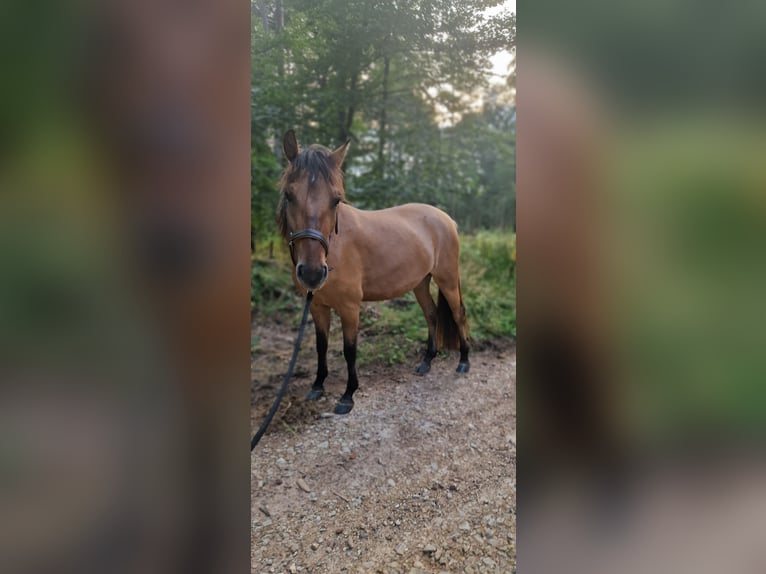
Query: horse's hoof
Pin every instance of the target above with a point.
(343, 407)
(463, 367)
(423, 368)
(315, 394)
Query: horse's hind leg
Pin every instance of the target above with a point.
(450, 289)
(426, 302)
(322, 316)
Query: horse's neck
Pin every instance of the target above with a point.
(349, 213)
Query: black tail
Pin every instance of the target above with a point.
(447, 332)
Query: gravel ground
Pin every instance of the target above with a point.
(419, 477)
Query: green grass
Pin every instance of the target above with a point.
(394, 332)
(271, 288)
(488, 279)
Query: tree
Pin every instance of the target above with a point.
(396, 78)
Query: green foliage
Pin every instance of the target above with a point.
(271, 287)
(489, 284)
(392, 332)
(263, 196)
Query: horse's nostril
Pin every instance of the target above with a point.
(311, 276)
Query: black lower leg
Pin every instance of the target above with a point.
(346, 402)
(464, 364)
(317, 389)
(425, 364)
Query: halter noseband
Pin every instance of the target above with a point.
(307, 234)
(310, 234)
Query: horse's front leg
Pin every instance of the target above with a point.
(349, 317)
(322, 316)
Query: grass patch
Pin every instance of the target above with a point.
(488, 279)
(392, 332)
(271, 288)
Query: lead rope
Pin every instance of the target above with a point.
(288, 375)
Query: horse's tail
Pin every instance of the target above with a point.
(447, 332)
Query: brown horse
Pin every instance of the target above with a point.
(346, 256)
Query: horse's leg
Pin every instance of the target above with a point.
(426, 302)
(349, 317)
(322, 316)
(451, 291)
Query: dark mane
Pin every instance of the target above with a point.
(315, 161)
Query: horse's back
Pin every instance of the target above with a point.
(421, 217)
(395, 248)
(411, 226)
(418, 209)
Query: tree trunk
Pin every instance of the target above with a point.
(346, 116)
(352, 107)
(279, 24)
(279, 17)
(382, 130)
(264, 16)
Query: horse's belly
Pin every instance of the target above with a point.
(394, 283)
(383, 295)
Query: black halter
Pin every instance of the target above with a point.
(310, 234)
(307, 234)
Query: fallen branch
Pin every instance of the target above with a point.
(291, 429)
(339, 495)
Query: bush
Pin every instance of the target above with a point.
(488, 276)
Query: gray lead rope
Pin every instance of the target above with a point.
(288, 375)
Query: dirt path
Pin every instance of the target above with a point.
(419, 477)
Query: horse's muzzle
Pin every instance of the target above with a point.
(311, 277)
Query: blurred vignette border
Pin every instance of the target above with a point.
(124, 302)
(641, 232)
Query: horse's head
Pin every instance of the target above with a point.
(312, 189)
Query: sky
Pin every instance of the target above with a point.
(501, 60)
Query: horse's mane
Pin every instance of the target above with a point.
(316, 161)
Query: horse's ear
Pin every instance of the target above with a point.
(290, 145)
(340, 154)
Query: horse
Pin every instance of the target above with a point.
(346, 255)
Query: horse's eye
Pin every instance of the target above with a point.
(288, 197)
(335, 202)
